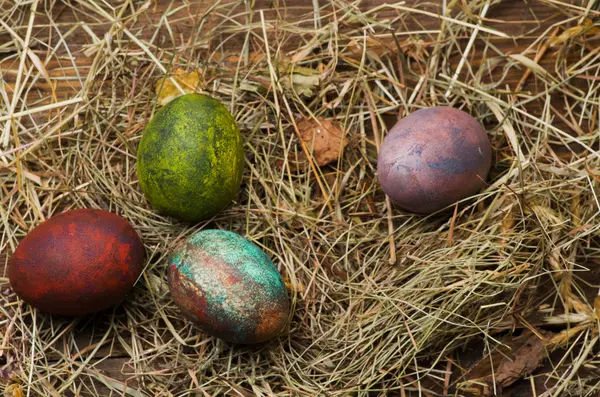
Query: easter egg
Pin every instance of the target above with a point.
(190, 159)
(229, 287)
(433, 158)
(77, 262)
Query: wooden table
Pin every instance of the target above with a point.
(524, 21)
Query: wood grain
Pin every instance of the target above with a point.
(515, 17)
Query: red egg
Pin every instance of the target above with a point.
(433, 158)
(77, 262)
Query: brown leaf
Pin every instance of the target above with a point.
(527, 352)
(324, 139)
(166, 91)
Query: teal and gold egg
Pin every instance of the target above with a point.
(229, 287)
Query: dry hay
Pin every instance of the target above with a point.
(372, 313)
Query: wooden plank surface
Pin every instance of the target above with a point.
(518, 18)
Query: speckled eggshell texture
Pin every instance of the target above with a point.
(229, 287)
(433, 158)
(190, 159)
(77, 262)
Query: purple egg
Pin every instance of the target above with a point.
(433, 158)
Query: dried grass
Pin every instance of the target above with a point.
(374, 312)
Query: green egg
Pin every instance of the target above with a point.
(229, 287)
(191, 158)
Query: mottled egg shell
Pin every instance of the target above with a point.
(229, 287)
(190, 159)
(77, 262)
(433, 158)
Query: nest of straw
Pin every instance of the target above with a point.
(384, 301)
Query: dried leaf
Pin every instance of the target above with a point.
(508, 223)
(302, 71)
(305, 82)
(597, 306)
(531, 64)
(297, 287)
(587, 29)
(301, 79)
(325, 140)
(301, 84)
(251, 87)
(13, 390)
(39, 65)
(166, 91)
